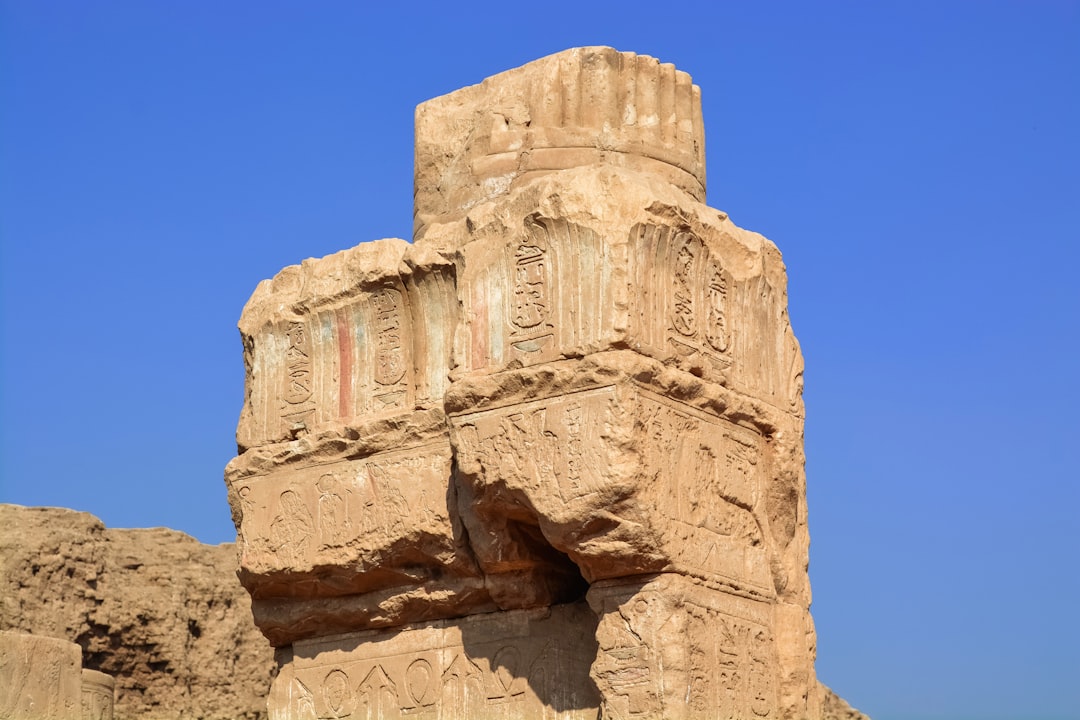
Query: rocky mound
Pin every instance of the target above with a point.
(156, 609)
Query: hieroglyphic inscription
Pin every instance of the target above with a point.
(668, 649)
(298, 406)
(530, 295)
(685, 283)
(389, 356)
(555, 443)
(731, 666)
(97, 695)
(712, 468)
(292, 518)
(684, 310)
(716, 324)
(626, 666)
(517, 664)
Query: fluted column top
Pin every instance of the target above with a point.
(584, 106)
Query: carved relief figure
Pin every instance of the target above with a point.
(504, 674)
(386, 508)
(530, 296)
(462, 686)
(304, 700)
(297, 365)
(625, 667)
(96, 704)
(530, 292)
(291, 528)
(333, 511)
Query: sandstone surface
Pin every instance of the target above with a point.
(545, 461)
(158, 611)
(40, 678)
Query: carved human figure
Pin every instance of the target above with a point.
(291, 528)
(333, 510)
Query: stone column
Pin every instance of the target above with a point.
(98, 695)
(548, 458)
(42, 678)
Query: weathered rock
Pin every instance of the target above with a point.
(578, 381)
(160, 612)
(834, 707)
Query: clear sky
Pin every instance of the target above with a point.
(918, 163)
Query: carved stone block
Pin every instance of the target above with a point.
(513, 664)
(384, 511)
(592, 260)
(98, 695)
(41, 678)
(576, 108)
(670, 648)
(350, 337)
(620, 478)
(327, 544)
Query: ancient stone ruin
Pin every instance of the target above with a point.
(43, 678)
(157, 613)
(547, 460)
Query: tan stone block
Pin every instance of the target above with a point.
(514, 664)
(40, 678)
(598, 458)
(598, 259)
(574, 108)
(98, 695)
(350, 337)
(346, 522)
(670, 648)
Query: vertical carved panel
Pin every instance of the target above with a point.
(548, 292)
(684, 306)
(674, 650)
(712, 467)
(98, 695)
(297, 405)
(338, 342)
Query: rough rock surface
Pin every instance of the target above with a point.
(159, 611)
(834, 707)
(546, 460)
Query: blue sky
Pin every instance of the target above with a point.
(918, 163)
